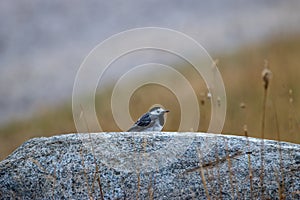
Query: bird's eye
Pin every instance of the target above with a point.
(157, 111)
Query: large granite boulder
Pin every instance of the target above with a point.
(151, 166)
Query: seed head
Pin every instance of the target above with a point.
(242, 105)
(202, 101)
(291, 96)
(219, 101)
(266, 75)
(215, 63)
(245, 128)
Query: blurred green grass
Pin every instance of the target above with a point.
(241, 72)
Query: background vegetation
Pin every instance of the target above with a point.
(241, 71)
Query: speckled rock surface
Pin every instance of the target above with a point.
(150, 166)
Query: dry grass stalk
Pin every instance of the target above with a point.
(218, 172)
(210, 177)
(202, 174)
(138, 184)
(150, 190)
(97, 173)
(266, 77)
(293, 121)
(281, 187)
(229, 168)
(85, 176)
(249, 161)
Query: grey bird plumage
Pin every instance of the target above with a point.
(151, 121)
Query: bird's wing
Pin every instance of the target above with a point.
(142, 122)
(145, 120)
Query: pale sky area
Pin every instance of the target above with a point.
(43, 43)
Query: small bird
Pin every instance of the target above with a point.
(151, 121)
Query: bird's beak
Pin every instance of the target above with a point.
(166, 111)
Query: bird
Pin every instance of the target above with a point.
(153, 120)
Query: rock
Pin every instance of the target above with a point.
(151, 166)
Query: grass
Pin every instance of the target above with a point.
(249, 162)
(266, 76)
(47, 122)
(240, 70)
(201, 171)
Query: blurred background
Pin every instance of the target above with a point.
(43, 43)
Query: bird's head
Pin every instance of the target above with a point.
(157, 111)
